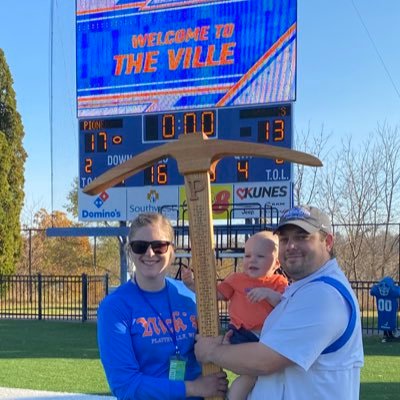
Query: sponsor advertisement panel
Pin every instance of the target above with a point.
(221, 199)
(109, 205)
(238, 201)
(152, 199)
(275, 194)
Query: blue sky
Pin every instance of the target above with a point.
(342, 83)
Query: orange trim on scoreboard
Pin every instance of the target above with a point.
(208, 89)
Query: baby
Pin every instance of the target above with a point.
(252, 295)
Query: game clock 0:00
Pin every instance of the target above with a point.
(107, 142)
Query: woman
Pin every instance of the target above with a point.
(144, 354)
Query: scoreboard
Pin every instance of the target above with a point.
(107, 142)
(150, 71)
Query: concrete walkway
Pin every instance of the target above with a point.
(27, 394)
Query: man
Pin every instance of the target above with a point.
(311, 344)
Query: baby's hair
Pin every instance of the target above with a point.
(269, 235)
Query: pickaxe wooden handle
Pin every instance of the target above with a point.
(195, 157)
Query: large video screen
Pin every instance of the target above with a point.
(154, 56)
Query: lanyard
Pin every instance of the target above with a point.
(172, 331)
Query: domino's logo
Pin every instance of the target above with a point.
(101, 199)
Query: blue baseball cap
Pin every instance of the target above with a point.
(309, 218)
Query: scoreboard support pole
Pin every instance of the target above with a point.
(195, 157)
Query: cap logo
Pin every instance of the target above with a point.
(296, 213)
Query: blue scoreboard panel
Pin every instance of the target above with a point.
(107, 142)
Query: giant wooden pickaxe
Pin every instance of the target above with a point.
(195, 157)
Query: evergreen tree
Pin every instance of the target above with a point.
(12, 166)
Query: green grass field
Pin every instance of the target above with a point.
(47, 355)
(63, 356)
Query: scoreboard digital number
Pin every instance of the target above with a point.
(107, 142)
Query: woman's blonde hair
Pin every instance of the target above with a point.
(146, 219)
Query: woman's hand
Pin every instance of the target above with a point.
(213, 385)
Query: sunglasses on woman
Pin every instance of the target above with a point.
(141, 246)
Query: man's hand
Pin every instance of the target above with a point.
(227, 337)
(205, 347)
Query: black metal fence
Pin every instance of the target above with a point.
(77, 298)
(369, 312)
(51, 297)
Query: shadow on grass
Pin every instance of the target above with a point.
(47, 339)
(379, 391)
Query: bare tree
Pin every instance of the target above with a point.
(306, 178)
(389, 140)
(359, 187)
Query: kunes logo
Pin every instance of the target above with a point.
(259, 192)
(103, 214)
